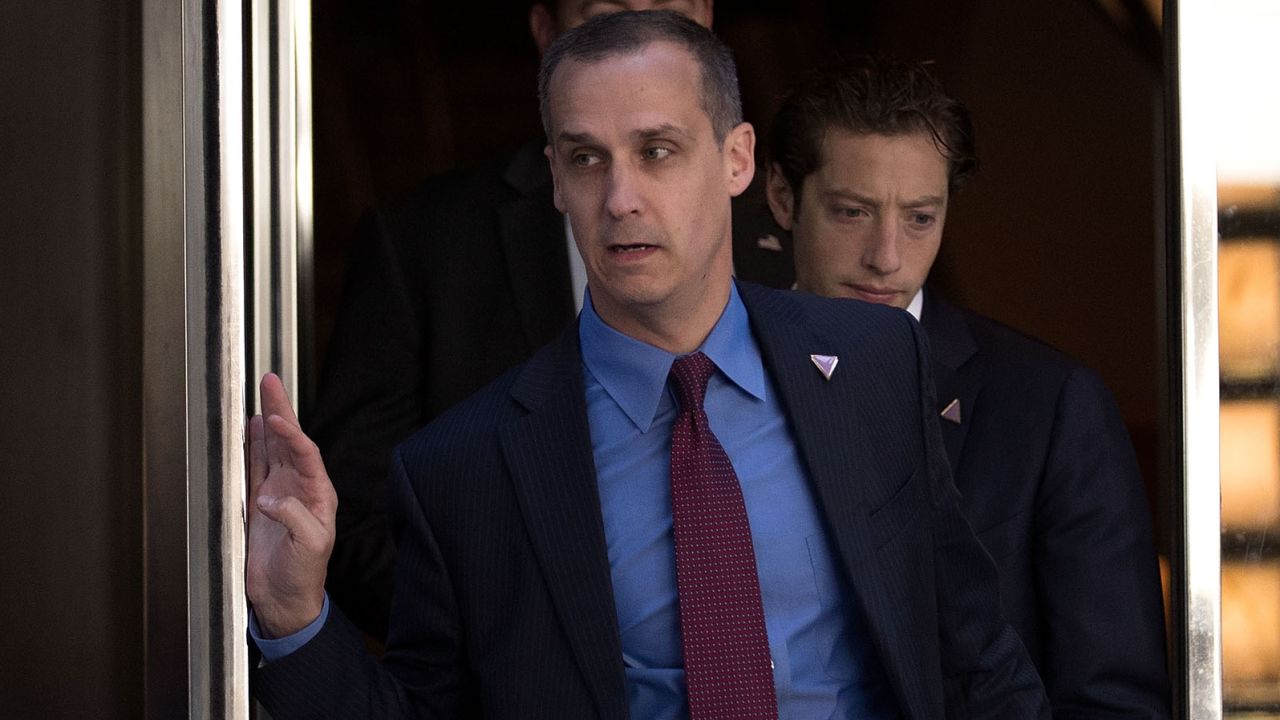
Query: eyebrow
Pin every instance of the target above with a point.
(660, 130)
(867, 200)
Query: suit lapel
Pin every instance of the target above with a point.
(828, 420)
(548, 453)
(951, 347)
(533, 244)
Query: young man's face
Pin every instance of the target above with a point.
(869, 220)
(645, 183)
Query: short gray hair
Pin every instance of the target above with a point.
(624, 33)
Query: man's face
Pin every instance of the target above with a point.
(572, 13)
(869, 219)
(645, 183)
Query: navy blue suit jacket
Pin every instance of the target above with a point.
(1050, 484)
(464, 280)
(503, 605)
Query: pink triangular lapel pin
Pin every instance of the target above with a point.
(952, 411)
(826, 364)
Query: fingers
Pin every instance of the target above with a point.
(304, 528)
(257, 455)
(295, 448)
(275, 401)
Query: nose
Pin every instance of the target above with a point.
(882, 254)
(624, 194)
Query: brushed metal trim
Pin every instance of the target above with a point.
(1199, 593)
(196, 662)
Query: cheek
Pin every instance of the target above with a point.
(840, 245)
(824, 254)
(923, 256)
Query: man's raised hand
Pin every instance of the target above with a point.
(291, 509)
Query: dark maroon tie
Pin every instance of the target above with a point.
(726, 647)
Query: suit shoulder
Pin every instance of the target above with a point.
(853, 318)
(456, 194)
(480, 189)
(470, 429)
(1009, 347)
(464, 430)
(1031, 367)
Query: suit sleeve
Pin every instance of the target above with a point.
(986, 670)
(1095, 566)
(369, 400)
(420, 677)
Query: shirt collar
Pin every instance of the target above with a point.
(634, 373)
(916, 304)
(915, 307)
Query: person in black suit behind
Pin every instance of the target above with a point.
(465, 279)
(865, 156)
(541, 568)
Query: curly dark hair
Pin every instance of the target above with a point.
(869, 95)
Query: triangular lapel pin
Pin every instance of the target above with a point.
(826, 364)
(952, 411)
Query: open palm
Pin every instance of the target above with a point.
(291, 509)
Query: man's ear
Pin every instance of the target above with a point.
(740, 157)
(550, 153)
(782, 202)
(542, 26)
(704, 16)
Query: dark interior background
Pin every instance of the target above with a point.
(71, 592)
(1058, 235)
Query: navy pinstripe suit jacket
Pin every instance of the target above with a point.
(503, 606)
(1051, 486)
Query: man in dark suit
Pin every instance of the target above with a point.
(706, 498)
(865, 157)
(464, 280)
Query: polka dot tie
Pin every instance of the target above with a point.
(726, 647)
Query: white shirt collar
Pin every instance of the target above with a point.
(916, 304)
(914, 307)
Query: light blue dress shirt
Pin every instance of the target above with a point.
(824, 666)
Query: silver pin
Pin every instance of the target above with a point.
(826, 364)
(952, 411)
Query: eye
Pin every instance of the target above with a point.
(585, 159)
(849, 213)
(922, 219)
(656, 152)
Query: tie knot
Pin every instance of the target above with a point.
(691, 374)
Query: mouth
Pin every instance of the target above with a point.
(630, 248)
(873, 293)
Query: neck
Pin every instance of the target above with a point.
(677, 327)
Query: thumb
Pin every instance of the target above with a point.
(295, 517)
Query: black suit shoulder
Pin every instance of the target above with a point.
(455, 440)
(1050, 483)
(1029, 379)
(856, 325)
(1015, 351)
(452, 201)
